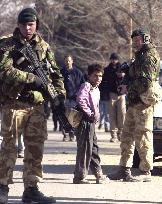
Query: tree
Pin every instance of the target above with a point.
(89, 30)
(8, 14)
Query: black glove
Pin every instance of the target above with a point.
(26, 97)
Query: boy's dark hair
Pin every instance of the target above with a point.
(95, 67)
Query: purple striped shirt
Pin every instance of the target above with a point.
(88, 98)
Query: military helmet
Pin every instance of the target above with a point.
(142, 32)
(28, 15)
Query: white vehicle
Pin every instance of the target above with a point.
(157, 124)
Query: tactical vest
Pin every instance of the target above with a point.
(143, 74)
(11, 47)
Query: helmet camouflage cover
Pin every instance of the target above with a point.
(142, 32)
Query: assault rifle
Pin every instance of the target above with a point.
(36, 67)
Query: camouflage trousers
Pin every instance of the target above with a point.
(137, 131)
(31, 122)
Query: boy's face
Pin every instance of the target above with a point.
(95, 78)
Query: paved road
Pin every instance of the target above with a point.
(58, 164)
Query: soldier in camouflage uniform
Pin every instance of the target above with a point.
(138, 126)
(23, 106)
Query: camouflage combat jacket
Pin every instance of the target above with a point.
(13, 76)
(143, 72)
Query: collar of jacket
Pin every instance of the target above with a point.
(67, 71)
(114, 67)
(145, 48)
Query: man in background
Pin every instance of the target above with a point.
(112, 78)
(73, 78)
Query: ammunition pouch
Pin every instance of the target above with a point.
(153, 94)
(9, 91)
(32, 97)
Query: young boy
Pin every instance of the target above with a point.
(87, 148)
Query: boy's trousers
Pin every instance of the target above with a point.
(87, 150)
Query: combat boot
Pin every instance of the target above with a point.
(80, 181)
(123, 173)
(4, 194)
(32, 194)
(144, 176)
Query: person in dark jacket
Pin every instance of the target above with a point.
(73, 78)
(112, 78)
(103, 108)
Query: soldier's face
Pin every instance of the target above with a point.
(137, 42)
(95, 78)
(28, 29)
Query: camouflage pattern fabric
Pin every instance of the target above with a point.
(12, 72)
(153, 95)
(137, 132)
(143, 72)
(26, 120)
(138, 125)
(23, 116)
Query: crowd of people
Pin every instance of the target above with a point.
(112, 104)
(110, 96)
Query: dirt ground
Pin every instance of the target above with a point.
(58, 165)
